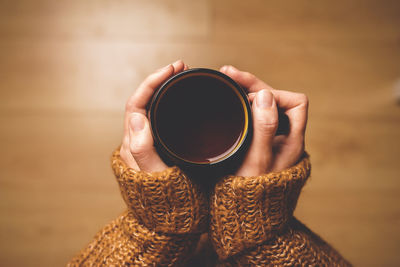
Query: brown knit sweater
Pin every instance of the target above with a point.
(250, 222)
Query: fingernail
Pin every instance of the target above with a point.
(264, 99)
(136, 122)
(223, 68)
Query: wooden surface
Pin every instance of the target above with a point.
(67, 68)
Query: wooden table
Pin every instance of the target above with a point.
(67, 68)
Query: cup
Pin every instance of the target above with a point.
(201, 119)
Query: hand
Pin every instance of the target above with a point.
(268, 152)
(137, 148)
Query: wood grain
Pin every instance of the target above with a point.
(67, 68)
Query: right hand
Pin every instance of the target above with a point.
(268, 152)
(137, 149)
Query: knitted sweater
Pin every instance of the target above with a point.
(249, 221)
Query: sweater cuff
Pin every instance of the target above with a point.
(297, 246)
(166, 202)
(247, 211)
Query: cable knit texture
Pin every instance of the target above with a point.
(166, 202)
(297, 246)
(252, 222)
(165, 217)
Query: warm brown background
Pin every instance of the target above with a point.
(67, 67)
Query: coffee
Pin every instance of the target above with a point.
(200, 118)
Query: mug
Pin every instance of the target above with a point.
(201, 119)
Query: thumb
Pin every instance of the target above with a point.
(141, 144)
(265, 123)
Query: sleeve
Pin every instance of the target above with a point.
(165, 217)
(252, 222)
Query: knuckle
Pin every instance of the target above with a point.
(140, 150)
(249, 76)
(303, 99)
(137, 149)
(179, 62)
(267, 124)
(135, 145)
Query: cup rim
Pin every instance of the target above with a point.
(225, 78)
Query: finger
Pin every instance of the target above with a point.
(290, 148)
(139, 100)
(142, 96)
(141, 144)
(259, 157)
(179, 66)
(245, 79)
(186, 67)
(295, 106)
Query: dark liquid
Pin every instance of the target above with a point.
(200, 119)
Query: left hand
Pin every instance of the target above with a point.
(269, 152)
(137, 149)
